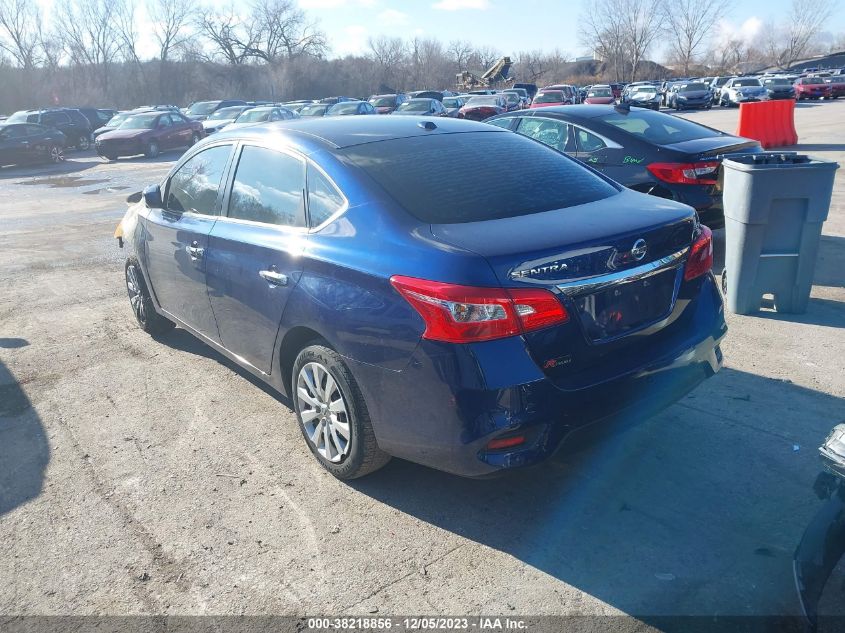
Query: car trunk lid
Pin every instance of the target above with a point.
(635, 243)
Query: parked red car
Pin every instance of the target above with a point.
(149, 133)
(482, 107)
(811, 88)
(549, 98)
(837, 86)
(601, 95)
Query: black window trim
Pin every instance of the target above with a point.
(220, 188)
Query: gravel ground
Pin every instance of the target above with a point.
(142, 476)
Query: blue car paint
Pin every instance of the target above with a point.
(431, 402)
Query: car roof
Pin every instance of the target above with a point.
(578, 111)
(342, 132)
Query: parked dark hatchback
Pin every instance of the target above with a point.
(648, 151)
(385, 104)
(367, 267)
(149, 134)
(686, 95)
(71, 123)
(778, 87)
(22, 143)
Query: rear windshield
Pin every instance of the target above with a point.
(415, 105)
(746, 82)
(139, 122)
(345, 107)
(692, 87)
(777, 81)
(252, 116)
(600, 92)
(202, 107)
(656, 127)
(227, 113)
(483, 100)
(384, 102)
(549, 97)
(456, 178)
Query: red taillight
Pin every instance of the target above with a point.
(463, 314)
(701, 173)
(505, 442)
(700, 258)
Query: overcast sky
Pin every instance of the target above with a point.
(508, 25)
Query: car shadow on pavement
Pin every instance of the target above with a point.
(36, 171)
(24, 450)
(694, 511)
(184, 341)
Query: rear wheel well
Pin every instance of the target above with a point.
(294, 342)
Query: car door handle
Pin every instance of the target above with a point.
(195, 251)
(273, 277)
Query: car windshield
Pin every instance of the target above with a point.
(511, 97)
(18, 117)
(644, 90)
(139, 122)
(812, 81)
(456, 178)
(482, 100)
(252, 116)
(316, 109)
(226, 113)
(452, 103)
(600, 92)
(745, 83)
(776, 81)
(555, 96)
(384, 102)
(346, 107)
(415, 105)
(692, 87)
(202, 107)
(117, 119)
(656, 127)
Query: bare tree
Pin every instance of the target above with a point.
(170, 22)
(124, 20)
(388, 53)
(91, 38)
(19, 25)
(225, 31)
(604, 32)
(283, 31)
(460, 53)
(641, 26)
(805, 20)
(689, 23)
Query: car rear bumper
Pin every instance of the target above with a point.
(451, 400)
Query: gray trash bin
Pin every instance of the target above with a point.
(775, 204)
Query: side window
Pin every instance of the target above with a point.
(268, 187)
(504, 122)
(323, 199)
(194, 186)
(175, 119)
(13, 131)
(34, 130)
(164, 121)
(555, 134)
(587, 141)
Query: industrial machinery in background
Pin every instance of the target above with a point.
(495, 77)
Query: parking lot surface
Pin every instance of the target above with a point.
(153, 476)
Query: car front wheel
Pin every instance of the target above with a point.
(83, 144)
(332, 414)
(56, 154)
(142, 305)
(152, 150)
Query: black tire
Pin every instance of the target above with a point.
(361, 454)
(152, 150)
(109, 157)
(83, 143)
(142, 305)
(195, 138)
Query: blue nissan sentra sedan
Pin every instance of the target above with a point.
(442, 291)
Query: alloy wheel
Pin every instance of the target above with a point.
(136, 296)
(84, 143)
(323, 412)
(57, 155)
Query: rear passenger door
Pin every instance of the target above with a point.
(255, 251)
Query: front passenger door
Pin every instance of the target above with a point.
(176, 238)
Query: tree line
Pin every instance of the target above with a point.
(89, 52)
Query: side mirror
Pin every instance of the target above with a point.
(132, 198)
(152, 197)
